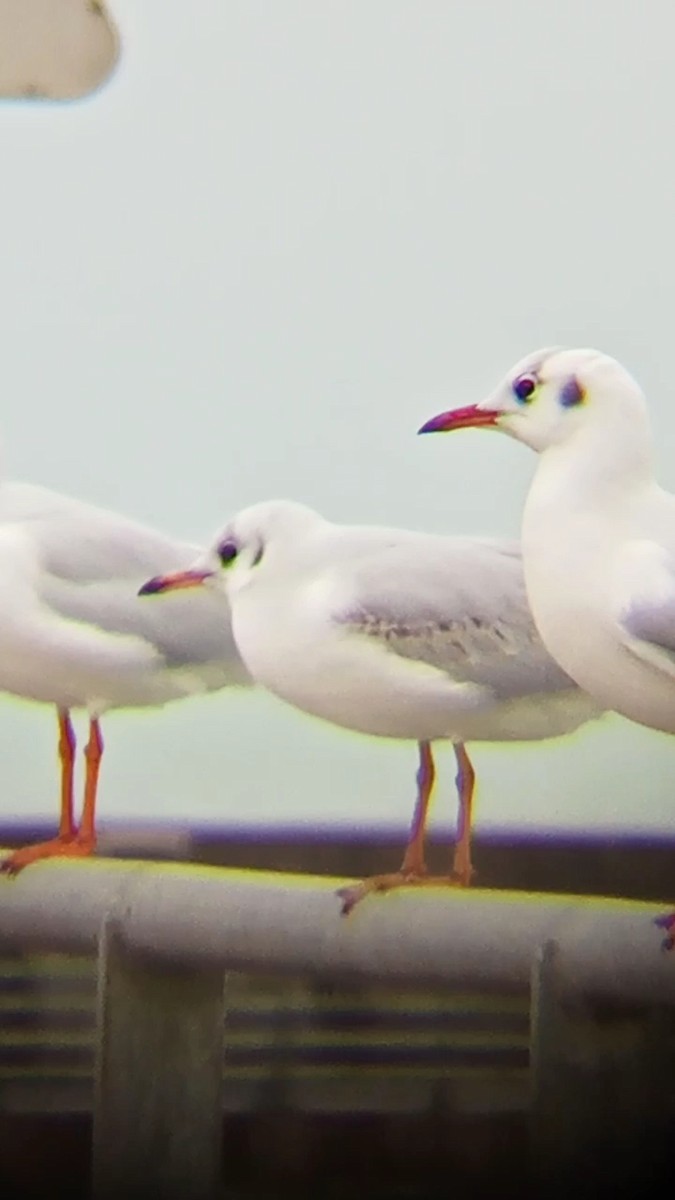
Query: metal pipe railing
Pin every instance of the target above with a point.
(166, 934)
(208, 918)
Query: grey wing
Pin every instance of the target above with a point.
(84, 543)
(92, 564)
(187, 628)
(460, 607)
(645, 594)
(652, 623)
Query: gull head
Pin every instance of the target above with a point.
(550, 396)
(251, 544)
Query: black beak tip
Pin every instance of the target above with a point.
(430, 426)
(151, 588)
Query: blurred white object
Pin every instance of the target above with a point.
(55, 49)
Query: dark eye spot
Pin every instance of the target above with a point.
(258, 555)
(524, 388)
(227, 552)
(571, 393)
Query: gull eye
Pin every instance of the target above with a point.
(227, 552)
(524, 388)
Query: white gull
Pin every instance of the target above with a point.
(598, 532)
(391, 633)
(74, 633)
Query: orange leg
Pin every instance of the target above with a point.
(413, 859)
(67, 756)
(413, 870)
(69, 842)
(465, 779)
(93, 753)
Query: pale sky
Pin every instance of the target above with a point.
(278, 239)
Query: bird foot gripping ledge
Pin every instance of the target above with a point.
(353, 894)
(667, 922)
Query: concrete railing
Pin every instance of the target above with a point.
(166, 935)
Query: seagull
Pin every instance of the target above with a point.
(74, 634)
(390, 633)
(598, 532)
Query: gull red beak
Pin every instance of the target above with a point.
(172, 583)
(461, 418)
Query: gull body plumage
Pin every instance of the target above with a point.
(392, 633)
(598, 532)
(73, 632)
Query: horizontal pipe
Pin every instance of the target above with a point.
(206, 917)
